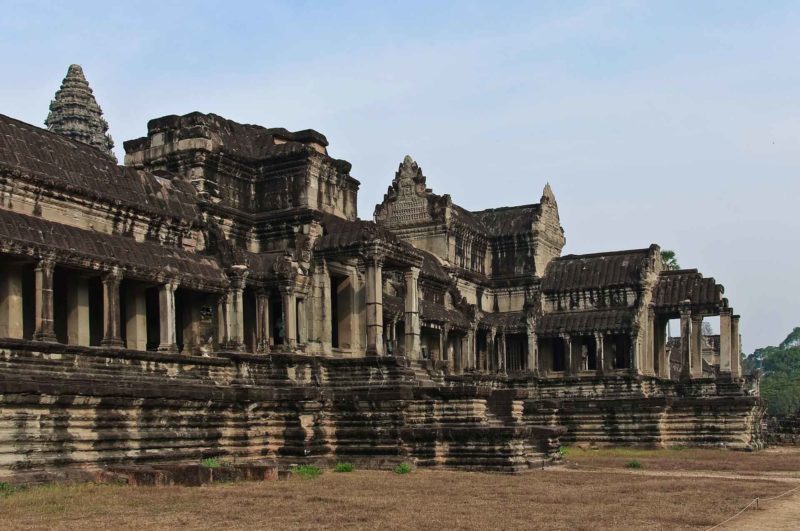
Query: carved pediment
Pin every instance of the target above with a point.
(408, 201)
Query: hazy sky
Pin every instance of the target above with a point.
(669, 122)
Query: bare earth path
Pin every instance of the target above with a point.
(778, 514)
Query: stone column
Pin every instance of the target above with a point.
(649, 347)
(491, 350)
(325, 317)
(235, 310)
(289, 303)
(533, 351)
(686, 341)
(444, 340)
(11, 317)
(166, 309)
(601, 354)
(111, 322)
(569, 361)
(472, 336)
(633, 354)
(374, 306)
(223, 320)
(78, 311)
(302, 321)
(736, 348)
(136, 318)
(697, 346)
(412, 314)
(661, 349)
(725, 342)
(44, 300)
(262, 321)
(502, 362)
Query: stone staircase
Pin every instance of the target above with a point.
(425, 374)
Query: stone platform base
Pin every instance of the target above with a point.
(75, 408)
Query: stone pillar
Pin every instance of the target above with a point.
(472, 336)
(111, 311)
(302, 320)
(44, 300)
(223, 320)
(234, 302)
(533, 351)
(736, 348)
(686, 341)
(11, 320)
(660, 334)
(374, 306)
(725, 342)
(136, 317)
(412, 314)
(569, 362)
(600, 353)
(491, 350)
(262, 322)
(444, 340)
(633, 355)
(166, 309)
(502, 362)
(289, 303)
(649, 347)
(78, 311)
(325, 316)
(697, 346)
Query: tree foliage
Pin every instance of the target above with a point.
(670, 260)
(780, 385)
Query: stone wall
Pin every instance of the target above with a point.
(783, 430)
(78, 407)
(640, 410)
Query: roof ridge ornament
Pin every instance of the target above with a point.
(74, 113)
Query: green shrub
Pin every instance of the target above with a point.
(562, 451)
(308, 471)
(211, 462)
(402, 468)
(344, 467)
(5, 489)
(677, 447)
(634, 464)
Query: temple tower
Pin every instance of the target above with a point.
(75, 113)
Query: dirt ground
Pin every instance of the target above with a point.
(596, 489)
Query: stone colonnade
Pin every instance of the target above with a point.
(730, 350)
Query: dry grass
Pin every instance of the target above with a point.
(372, 499)
(778, 461)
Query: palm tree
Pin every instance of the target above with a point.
(670, 260)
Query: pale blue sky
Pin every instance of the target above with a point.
(669, 122)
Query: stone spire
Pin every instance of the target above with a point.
(547, 194)
(75, 113)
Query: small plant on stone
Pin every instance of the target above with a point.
(634, 464)
(308, 471)
(344, 467)
(402, 468)
(211, 462)
(562, 451)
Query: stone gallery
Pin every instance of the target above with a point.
(218, 295)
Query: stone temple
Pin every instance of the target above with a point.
(218, 295)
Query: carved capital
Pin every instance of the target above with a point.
(113, 276)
